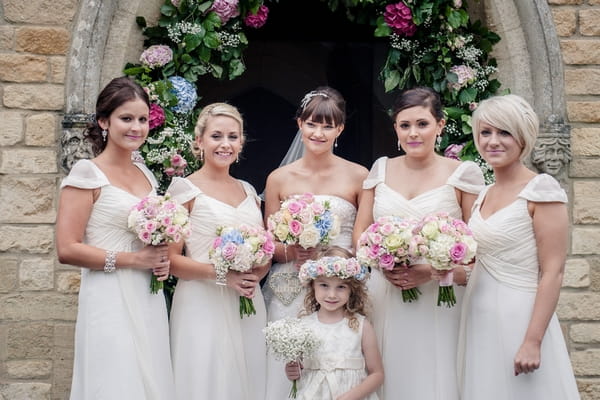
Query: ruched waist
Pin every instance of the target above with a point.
(519, 277)
(335, 363)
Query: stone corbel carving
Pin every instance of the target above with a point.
(552, 151)
(74, 143)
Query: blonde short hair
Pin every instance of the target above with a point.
(216, 110)
(510, 113)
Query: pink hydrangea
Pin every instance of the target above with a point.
(453, 150)
(157, 116)
(225, 9)
(465, 75)
(156, 55)
(175, 2)
(259, 19)
(457, 3)
(399, 18)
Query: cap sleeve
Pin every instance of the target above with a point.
(251, 191)
(544, 188)
(85, 175)
(467, 177)
(182, 190)
(377, 173)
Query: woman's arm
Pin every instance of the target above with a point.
(364, 215)
(550, 226)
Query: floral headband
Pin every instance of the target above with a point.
(306, 99)
(343, 268)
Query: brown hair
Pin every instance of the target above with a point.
(420, 96)
(323, 105)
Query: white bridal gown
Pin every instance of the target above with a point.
(498, 305)
(417, 340)
(122, 332)
(216, 354)
(284, 295)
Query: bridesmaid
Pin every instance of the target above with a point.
(122, 332)
(321, 118)
(511, 343)
(417, 340)
(216, 355)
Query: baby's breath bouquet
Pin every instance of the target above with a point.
(290, 339)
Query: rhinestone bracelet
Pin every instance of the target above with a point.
(468, 271)
(110, 261)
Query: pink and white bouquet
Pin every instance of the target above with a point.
(240, 249)
(159, 220)
(446, 243)
(386, 245)
(304, 220)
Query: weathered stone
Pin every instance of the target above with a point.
(586, 362)
(7, 34)
(64, 334)
(594, 262)
(585, 142)
(40, 11)
(40, 130)
(584, 111)
(30, 341)
(39, 206)
(565, 2)
(589, 22)
(25, 391)
(68, 281)
(29, 369)
(585, 240)
(586, 204)
(20, 239)
(593, 2)
(584, 168)
(34, 97)
(589, 389)
(9, 274)
(582, 81)
(35, 306)
(12, 127)
(585, 333)
(58, 69)
(580, 51)
(28, 161)
(23, 68)
(565, 21)
(42, 40)
(578, 306)
(36, 274)
(577, 273)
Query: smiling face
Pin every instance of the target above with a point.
(332, 293)
(127, 125)
(319, 137)
(498, 147)
(221, 141)
(417, 129)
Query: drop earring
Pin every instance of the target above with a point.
(399, 147)
(202, 156)
(335, 142)
(104, 135)
(438, 142)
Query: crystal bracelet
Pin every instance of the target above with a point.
(110, 261)
(468, 271)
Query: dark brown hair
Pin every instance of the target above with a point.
(420, 96)
(323, 105)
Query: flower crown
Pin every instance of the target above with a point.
(306, 99)
(343, 268)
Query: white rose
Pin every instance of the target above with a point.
(309, 237)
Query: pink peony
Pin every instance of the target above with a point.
(399, 18)
(157, 116)
(453, 150)
(225, 9)
(257, 20)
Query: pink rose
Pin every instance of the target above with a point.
(217, 242)
(318, 208)
(268, 246)
(228, 251)
(157, 116)
(386, 261)
(399, 17)
(145, 236)
(294, 207)
(374, 250)
(374, 227)
(453, 150)
(225, 9)
(295, 227)
(178, 161)
(259, 19)
(307, 198)
(170, 171)
(458, 252)
(150, 226)
(171, 230)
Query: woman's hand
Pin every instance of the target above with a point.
(301, 255)
(528, 358)
(409, 277)
(243, 282)
(155, 258)
(293, 370)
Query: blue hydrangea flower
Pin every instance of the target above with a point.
(324, 223)
(233, 236)
(185, 93)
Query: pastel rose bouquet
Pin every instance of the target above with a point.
(304, 220)
(290, 339)
(446, 243)
(240, 248)
(159, 220)
(386, 245)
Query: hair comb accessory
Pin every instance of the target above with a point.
(306, 99)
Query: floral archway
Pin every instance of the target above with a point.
(431, 42)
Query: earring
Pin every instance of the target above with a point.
(438, 141)
(104, 135)
(202, 156)
(399, 147)
(237, 158)
(335, 142)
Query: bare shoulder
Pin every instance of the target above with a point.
(353, 170)
(282, 173)
(450, 163)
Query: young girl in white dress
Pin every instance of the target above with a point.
(122, 332)
(418, 339)
(347, 364)
(511, 343)
(321, 119)
(216, 354)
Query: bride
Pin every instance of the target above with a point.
(319, 171)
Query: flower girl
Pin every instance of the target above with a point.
(347, 364)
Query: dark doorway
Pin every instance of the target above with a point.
(298, 49)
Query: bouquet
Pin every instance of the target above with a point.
(239, 249)
(386, 244)
(304, 220)
(446, 243)
(159, 220)
(290, 339)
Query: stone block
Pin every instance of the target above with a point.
(12, 128)
(48, 12)
(586, 362)
(27, 199)
(580, 52)
(34, 97)
(26, 239)
(28, 161)
(586, 203)
(578, 306)
(565, 21)
(40, 130)
(589, 388)
(61, 378)
(589, 22)
(30, 341)
(7, 35)
(585, 240)
(585, 333)
(585, 141)
(584, 111)
(36, 306)
(68, 281)
(9, 273)
(42, 40)
(23, 68)
(36, 274)
(564, 2)
(584, 168)
(25, 391)
(577, 273)
(58, 69)
(29, 369)
(582, 81)
(64, 335)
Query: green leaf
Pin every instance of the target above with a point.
(416, 70)
(467, 95)
(392, 80)
(168, 9)
(134, 70)
(204, 6)
(382, 29)
(204, 54)
(217, 70)
(454, 112)
(193, 41)
(211, 40)
(236, 68)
